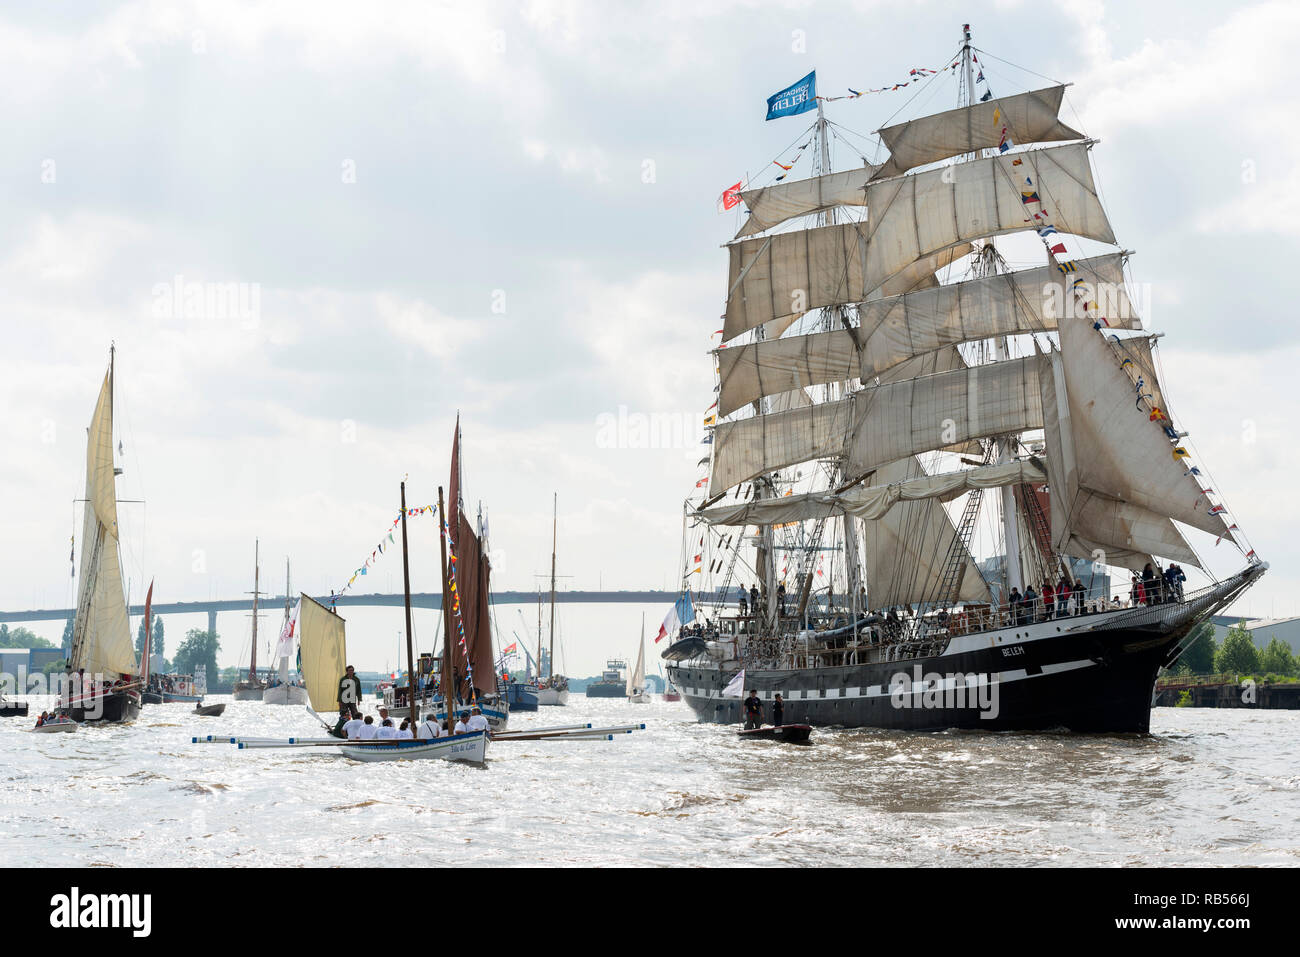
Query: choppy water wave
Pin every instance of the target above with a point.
(1206, 787)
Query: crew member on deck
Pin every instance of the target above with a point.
(350, 693)
(477, 722)
(430, 728)
(778, 711)
(753, 711)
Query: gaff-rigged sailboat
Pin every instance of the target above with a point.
(467, 619)
(103, 683)
(553, 690)
(892, 394)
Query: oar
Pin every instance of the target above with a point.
(561, 727)
(576, 733)
(318, 718)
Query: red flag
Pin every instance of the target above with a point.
(1059, 248)
(729, 199)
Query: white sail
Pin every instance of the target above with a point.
(906, 550)
(911, 416)
(917, 215)
(636, 677)
(101, 632)
(894, 329)
(1028, 118)
(775, 204)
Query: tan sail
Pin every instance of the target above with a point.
(920, 214)
(101, 642)
(911, 416)
(1028, 118)
(894, 329)
(322, 644)
(775, 204)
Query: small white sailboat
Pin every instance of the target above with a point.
(553, 690)
(280, 690)
(636, 693)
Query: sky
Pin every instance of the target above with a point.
(508, 211)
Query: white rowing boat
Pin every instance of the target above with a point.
(56, 726)
(459, 747)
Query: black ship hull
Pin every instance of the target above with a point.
(1093, 673)
(117, 707)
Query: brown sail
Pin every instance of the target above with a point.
(471, 569)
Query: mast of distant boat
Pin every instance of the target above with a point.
(447, 684)
(406, 589)
(555, 505)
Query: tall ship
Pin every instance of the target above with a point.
(104, 683)
(923, 359)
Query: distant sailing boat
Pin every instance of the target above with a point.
(253, 687)
(279, 690)
(103, 672)
(553, 689)
(1039, 385)
(636, 693)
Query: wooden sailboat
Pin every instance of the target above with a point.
(252, 688)
(553, 689)
(459, 747)
(103, 682)
(636, 693)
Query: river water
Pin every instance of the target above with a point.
(1212, 787)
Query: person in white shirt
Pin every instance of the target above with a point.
(462, 726)
(386, 730)
(477, 722)
(430, 728)
(405, 730)
(352, 728)
(368, 731)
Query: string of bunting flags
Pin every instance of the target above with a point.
(455, 611)
(379, 549)
(1038, 215)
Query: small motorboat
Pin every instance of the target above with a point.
(210, 710)
(56, 725)
(789, 733)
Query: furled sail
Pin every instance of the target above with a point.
(917, 215)
(773, 205)
(894, 329)
(911, 416)
(323, 647)
(906, 550)
(1028, 118)
(101, 642)
(471, 572)
(874, 501)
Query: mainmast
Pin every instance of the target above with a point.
(406, 592)
(252, 661)
(555, 505)
(1005, 445)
